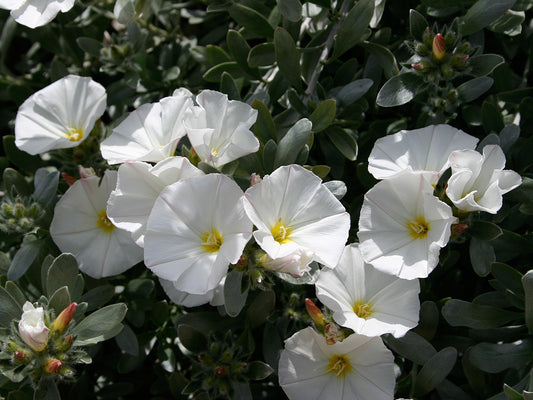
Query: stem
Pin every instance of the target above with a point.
(326, 50)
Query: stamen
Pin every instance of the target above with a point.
(74, 134)
(104, 223)
(362, 310)
(339, 365)
(281, 232)
(211, 241)
(418, 228)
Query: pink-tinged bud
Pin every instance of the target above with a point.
(221, 370)
(439, 47)
(330, 333)
(65, 343)
(85, 172)
(457, 229)
(52, 366)
(31, 327)
(417, 66)
(255, 178)
(63, 319)
(316, 315)
(21, 356)
(68, 178)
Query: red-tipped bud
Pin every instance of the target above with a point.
(221, 370)
(52, 366)
(439, 47)
(457, 229)
(63, 319)
(21, 356)
(68, 178)
(417, 66)
(316, 315)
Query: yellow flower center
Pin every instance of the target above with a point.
(362, 310)
(211, 241)
(104, 223)
(214, 152)
(281, 232)
(339, 365)
(418, 228)
(74, 134)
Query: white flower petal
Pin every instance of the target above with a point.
(35, 13)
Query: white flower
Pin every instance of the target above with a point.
(402, 226)
(80, 226)
(479, 181)
(366, 300)
(32, 329)
(358, 368)
(219, 129)
(295, 263)
(138, 186)
(149, 133)
(197, 227)
(425, 149)
(214, 297)
(34, 13)
(293, 211)
(59, 116)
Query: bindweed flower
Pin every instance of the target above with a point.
(138, 186)
(63, 319)
(359, 367)
(149, 133)
(219, 129)
(368, 301)
(197, 227)
(214, 297)
(294, 212)
(295, 263)
(80, 226)
(479, 181)
(32, 328)
(402, 226)
(35, 13)
(59, 116)
(425, 149)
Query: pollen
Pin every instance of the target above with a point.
(211, 241)
(339, 365)
(418, 228)
(281, 232)
(362, 310)
(104, 223)
(74, 134)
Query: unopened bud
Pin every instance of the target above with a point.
(68, 178)
(85, 172)
(330, 333)
(459, 60)
(457, 229)
(255, 178)
(449, 38)
(64, 318)
(439, 47)
(52, 366)
(21, 356)
(316, 315)
(65, 343)
(221, 370)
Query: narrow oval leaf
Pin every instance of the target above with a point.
(9, 309)
(127, 341)
(15, 292)
(485, 230)
(252, 20)
(497, 357)
(290, 9)
(100, 325)
(228, 86)
(214, 74)
(484, 64)
(527, 283)
(354, 91)
(481, 256)
(462, 313)
(63, 272)
(385, 58)
(481, 14)
(287, 57)
(234, 298)
(263, 54)
(264, 127)
(192, 339)
(435, 370)
(45, 183)
(258, 370)
(294, 140)
(417, 24)
(24, 258)
(411, 346)
(474, 88)
(14, 181)
(260, 308)
(344, 142)
(400, 89)
(353, 27)
(238, 47)
(509, 277)
(60, 299)
(21, 159)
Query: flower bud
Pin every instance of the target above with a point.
(53, 366)
(21, 357)
(316, 315)
(220, 370)
(330, 333)
(68, 178)
(295, 263)
(255, 178)
(65, 343)
(439, 48)
(457, 229)
(31, 327)
(459, 60)
(64, 318)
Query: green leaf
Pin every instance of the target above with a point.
(353, 27)
(9, 309)
(102, 324)
(343, 141)
(25, 257)
(15, 292)
(385, 58)
(127, 341)
(62, 272)
(260, 308)
(192, 339)
(508, 136)
(400, 89)
(491, 118)
(353, 91)
(527, 283)
(463, 313)
(474, 88)
(238, 48)
(485, 230)
(509, 277)
(511, 393)
(13, 180)
(484, 64)
(290, 9)
(435, 370)
(228, 86)
(264, 127)
(287, 57)
(337, 188)
(294, 140)
(497, 357)
(47, 390)
(264, 54)
(481, 14)
(90, 45)
(214, 74)
(411, 346)
(258, 370)
(253, 21)
(140, 287)
(481, 256)
(234, 297)
(323, 115)
(45, 183)
(124, 11)
(429, 320)
(19, 158)
(509, 23)
(60, 299)
(417, 24)
(216, 55)
(98, 296)
(269, 155)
